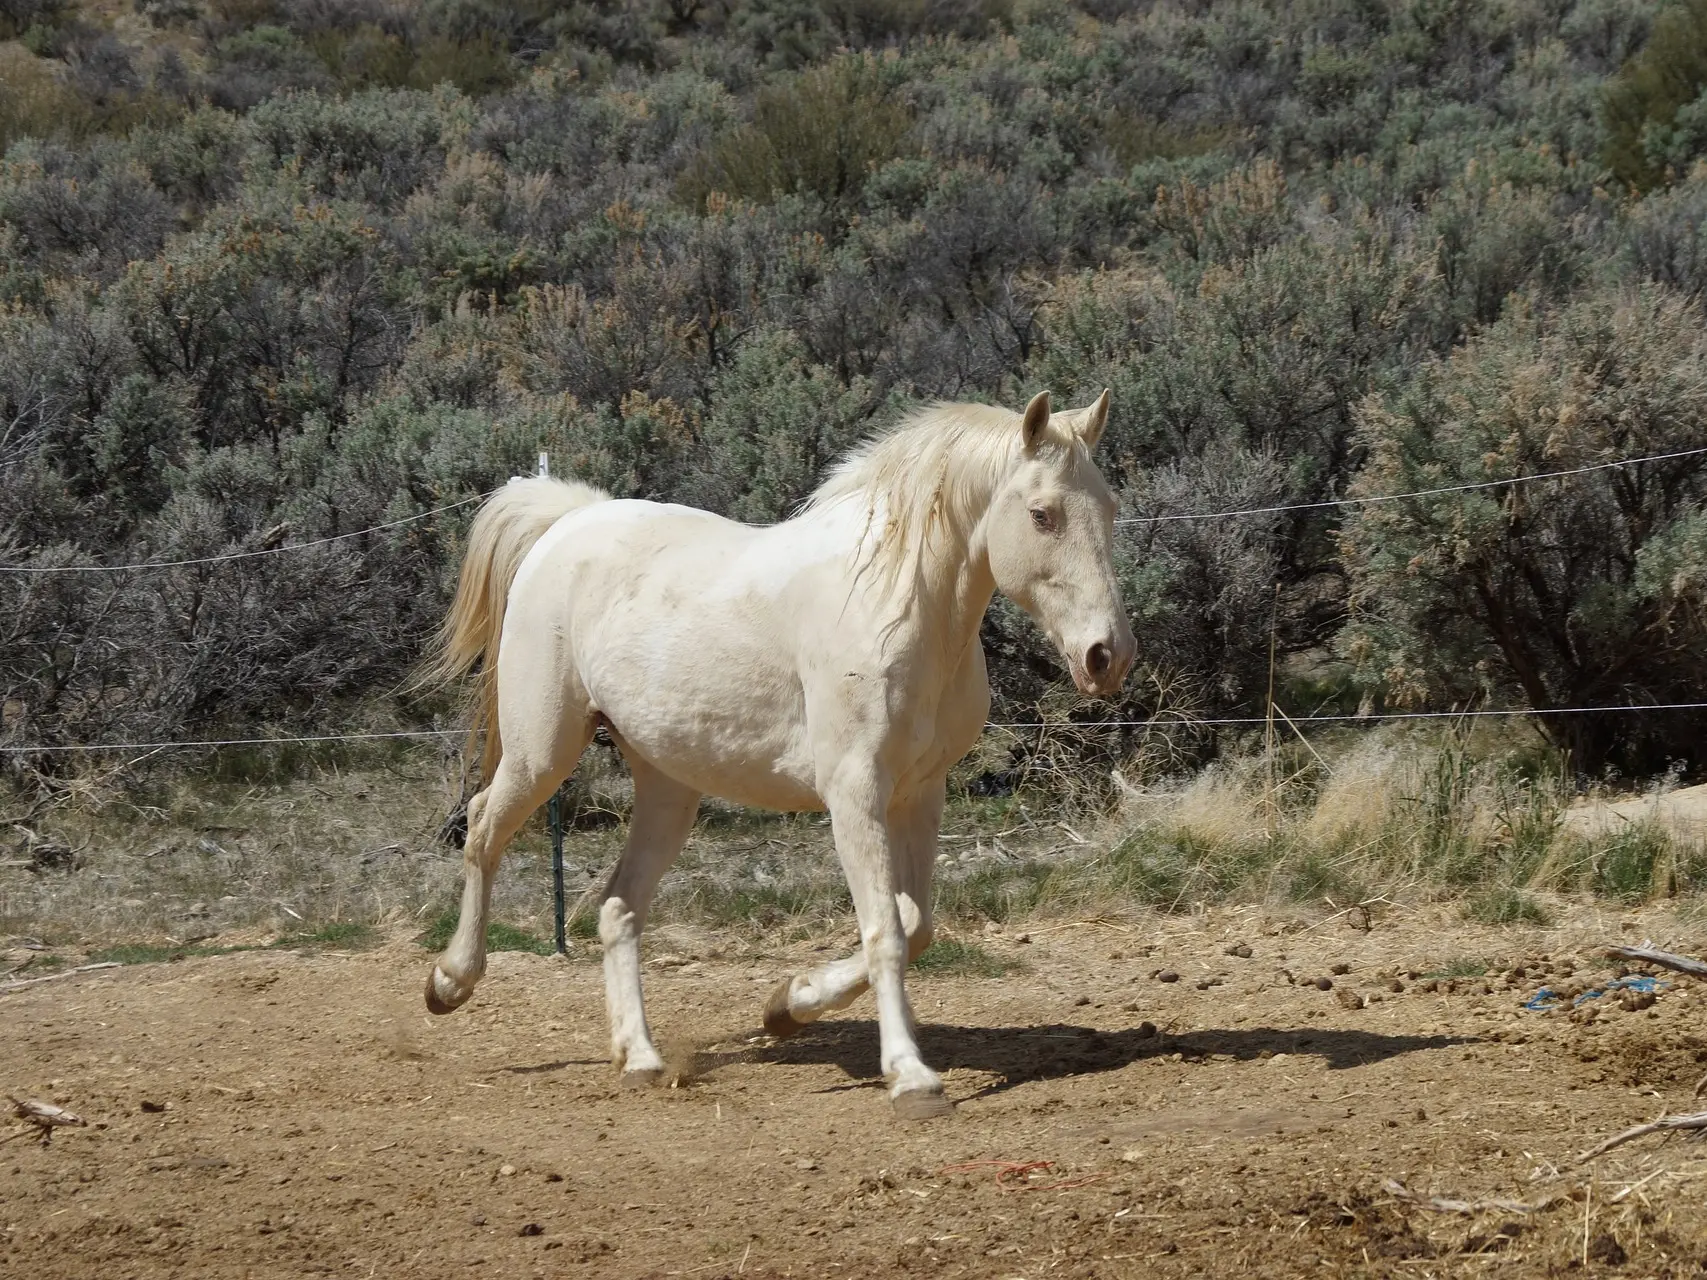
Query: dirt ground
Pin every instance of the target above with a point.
(286, 1114)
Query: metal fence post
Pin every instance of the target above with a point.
(554, 814)
(554, 811)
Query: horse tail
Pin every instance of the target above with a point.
(505, 530)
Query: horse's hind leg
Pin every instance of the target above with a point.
(537, 757)
(664, 812)
(805, 997)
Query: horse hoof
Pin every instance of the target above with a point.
(644, 1078)
(437, 1003)
(920, 1104)
(778, 1020)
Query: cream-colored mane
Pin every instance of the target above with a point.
(934, 470)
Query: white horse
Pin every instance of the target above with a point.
(828, 662)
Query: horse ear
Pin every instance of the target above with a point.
(1035, 420)
(1093, 420)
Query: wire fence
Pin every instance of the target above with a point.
(243, 555)
(1159, 721)
(1323, 504)
(1170, 721)
(1417, 493)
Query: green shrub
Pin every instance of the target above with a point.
(1538, 593)
(1642, 103)
(1506, 906)
(1628, 865)
(823, 132)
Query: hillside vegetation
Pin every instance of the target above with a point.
(276, 270)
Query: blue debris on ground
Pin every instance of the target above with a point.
(1548, 999)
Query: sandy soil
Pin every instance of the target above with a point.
(280, 1114)
(1683, 812)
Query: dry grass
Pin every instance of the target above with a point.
(250, 848)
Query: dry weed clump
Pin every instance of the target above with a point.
(1390, 811)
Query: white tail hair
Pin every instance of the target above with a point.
(504, 531)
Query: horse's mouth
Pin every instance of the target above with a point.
(1104, 685)
(1092, 686)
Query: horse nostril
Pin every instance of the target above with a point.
(1098, 660)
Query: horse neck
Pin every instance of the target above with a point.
(953, 585)
(951, 591)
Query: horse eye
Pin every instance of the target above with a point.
(1041, 519)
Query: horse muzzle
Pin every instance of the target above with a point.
(1100, 668)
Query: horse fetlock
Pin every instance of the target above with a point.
(617, 923)
(909, 1074)
(919, 940)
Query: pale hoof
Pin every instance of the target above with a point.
(643, 1078)
(778, 1020)
(443, 995)
(920, 1104)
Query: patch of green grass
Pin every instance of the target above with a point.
(1506, 906)
(764, 905)
(339, 933)
(506, 937)
(1625, 868)
(1315, 876)
(1174, 870)
(499, 936)
(1461, 967)
(995, 892)
(951, 956)
(154, 953)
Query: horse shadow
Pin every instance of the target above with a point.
(1021, 1055)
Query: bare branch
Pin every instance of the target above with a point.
(1663, 1124)
(1646, 954)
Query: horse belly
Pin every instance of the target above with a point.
(744, 765)
(716, 718)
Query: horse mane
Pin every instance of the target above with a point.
(932, 472)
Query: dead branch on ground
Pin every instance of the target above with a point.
(1647, 954)
(55, 977)
(1663, 1124)
(1443, 1204)
(44, 1116)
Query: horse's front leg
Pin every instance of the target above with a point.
(803, 998)
(859, 801)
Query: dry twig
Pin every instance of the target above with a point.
(1442, 1204)
(55, 977)
(1663, 1124)
(1011, 1175)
